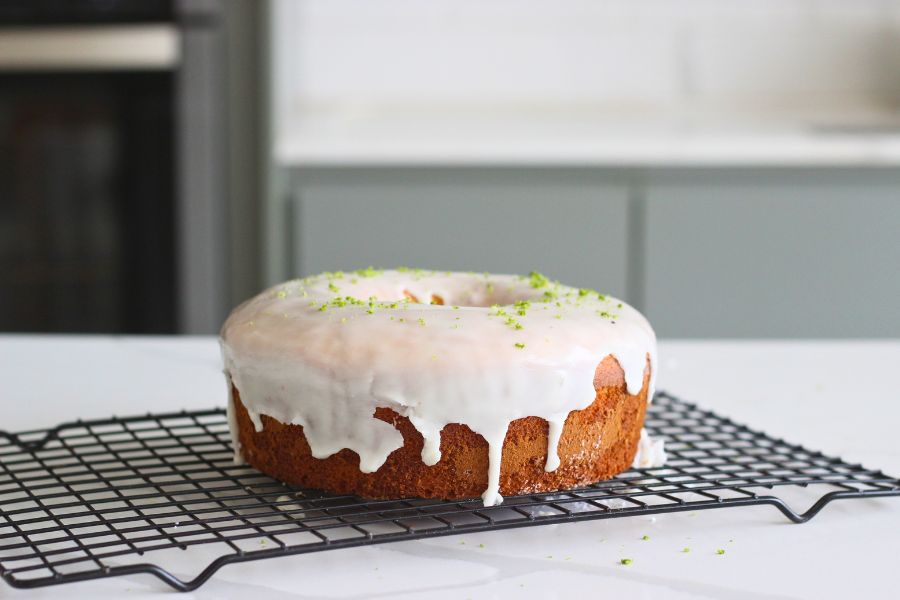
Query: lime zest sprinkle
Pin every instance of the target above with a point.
(645, 537)
(626, 561)
(421, 321)
(369, 271)
(333, 288)
(519, 345)
(499, 311)
(282, 294)
(685, 550)
(513, 323)
(537, 280)
(720, 551)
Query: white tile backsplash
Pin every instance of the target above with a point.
(653, 53)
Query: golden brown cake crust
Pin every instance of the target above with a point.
(614, 418)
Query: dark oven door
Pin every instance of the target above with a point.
(87, 200)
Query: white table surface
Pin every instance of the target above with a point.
(839, 397)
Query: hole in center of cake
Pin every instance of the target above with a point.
(435, 299)
(474, 293)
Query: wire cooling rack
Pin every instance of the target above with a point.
(95, 499)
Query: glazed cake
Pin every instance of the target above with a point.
(412, 383)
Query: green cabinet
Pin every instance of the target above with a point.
(773, 254)
(703, 252)
(568, 224)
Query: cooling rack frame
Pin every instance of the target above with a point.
(80, 497)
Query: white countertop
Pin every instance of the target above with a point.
(838, 397)
(361, 136)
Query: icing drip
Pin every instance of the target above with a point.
(232, 422)
(553, 434)
(650, 454)
(491, 496)
(431, 432)
(256, 420)
(325, 352)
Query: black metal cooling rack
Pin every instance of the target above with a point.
(95, 499)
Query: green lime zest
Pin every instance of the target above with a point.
(368, 272)
(536, 280)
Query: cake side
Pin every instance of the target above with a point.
(596, 443)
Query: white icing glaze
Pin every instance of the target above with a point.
(554, 432)
(651, 453)
(478, 360)
(232, 421)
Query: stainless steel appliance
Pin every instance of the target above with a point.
(112, 206)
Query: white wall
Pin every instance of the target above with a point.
(623, 55)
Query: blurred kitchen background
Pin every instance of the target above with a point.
(730, 167)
